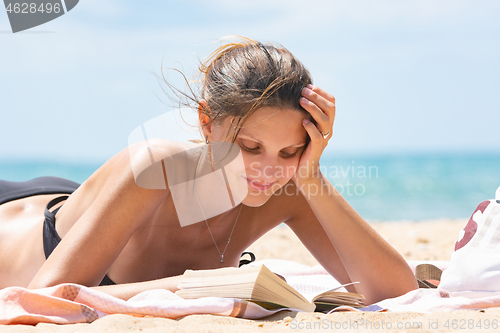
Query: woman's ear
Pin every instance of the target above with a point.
(203, 109)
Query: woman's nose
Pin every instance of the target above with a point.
(266, 169)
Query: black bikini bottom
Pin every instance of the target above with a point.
(10, 191)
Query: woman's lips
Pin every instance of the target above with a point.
(258, 186)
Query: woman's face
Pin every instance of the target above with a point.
(271, 143)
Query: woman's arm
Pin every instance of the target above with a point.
(127, 290)
(358, 252)
(93, 243)
(365, 255)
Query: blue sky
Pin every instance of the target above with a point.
(407, 75)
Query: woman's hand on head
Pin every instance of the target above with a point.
(321, 106)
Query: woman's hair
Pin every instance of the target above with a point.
(240, 77)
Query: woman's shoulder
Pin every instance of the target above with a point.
(132, 175)
(139, 164)
(156, 149)
(149, 160)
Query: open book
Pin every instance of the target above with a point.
(259, 285)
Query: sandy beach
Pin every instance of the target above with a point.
(423, 240)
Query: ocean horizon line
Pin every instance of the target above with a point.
(384, 186)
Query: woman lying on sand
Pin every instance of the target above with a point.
(123, 238)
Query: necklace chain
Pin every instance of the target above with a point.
(228, 240)
(206, 222)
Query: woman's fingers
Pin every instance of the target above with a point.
(322, 99)
(322, 93)
(316, 146)
(321, 106)
(319, 115)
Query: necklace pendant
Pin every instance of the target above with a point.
(221, 258)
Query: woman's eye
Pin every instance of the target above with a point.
(248, 148)
(254, 150)
(288, 155)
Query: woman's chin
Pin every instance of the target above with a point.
(257, 199)
(253, 202)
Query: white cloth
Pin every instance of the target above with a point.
(474, 269)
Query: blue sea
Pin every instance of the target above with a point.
(411, 186)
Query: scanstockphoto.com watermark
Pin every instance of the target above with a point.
(364, 324)
(312, 189)
(346, 180)
(352, 171)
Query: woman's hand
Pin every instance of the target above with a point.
(321, 106)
